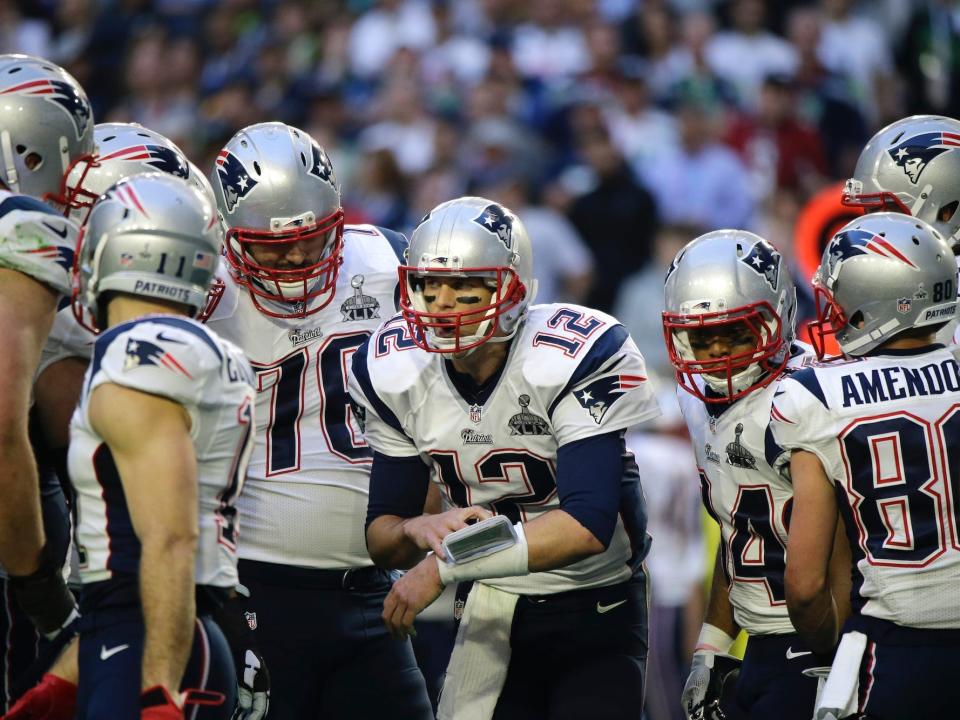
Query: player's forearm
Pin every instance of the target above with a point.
(814, 615)
(556, 539)
(719, 609)
(21, 525)
(168, 598)
(389, 546)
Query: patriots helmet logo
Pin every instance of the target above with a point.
(497, 220)
(600, 395)
(851, 243)
(143, 352)
(61, 93)
(162, 158)
(234, 179)
(320, 165)
(914, 154)
(764, 260)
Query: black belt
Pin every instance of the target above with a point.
(314, 578)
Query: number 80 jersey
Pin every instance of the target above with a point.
(571, 373)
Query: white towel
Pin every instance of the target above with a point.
(481, 655)
(839, 696)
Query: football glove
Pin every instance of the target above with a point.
(43, 596)
(710, 674)
(239, 625)
(156, 704)
(53, 699)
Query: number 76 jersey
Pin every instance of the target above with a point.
(571, 373)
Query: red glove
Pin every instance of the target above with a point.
(156, 704)
(52, 699)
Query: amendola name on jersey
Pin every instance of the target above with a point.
(571, 373)
(885, 428)
(746, 489)
(36, 240)
(309, 476)
(179, 359)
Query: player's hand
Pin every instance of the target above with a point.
(53, 699)
(156, 703)
(709, 674)
(44, 597)
(428, 531)
(239, 624)
(409, 595)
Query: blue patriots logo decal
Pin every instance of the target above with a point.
(497, 220)
(600, 395)
(320, 165)
(851, 243)
(162, 158)
(764, 260)
(143, 352)
(62, 94)
(234, 179)
(914, 153)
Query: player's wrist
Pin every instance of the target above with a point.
(713, 639)
(509, 562)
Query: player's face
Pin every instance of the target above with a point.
(713, 343)
(456, 295)
(289, 255)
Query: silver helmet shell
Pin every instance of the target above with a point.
(150, 235)
(46, 126)
(122, 150)
(880, 275)
(276, 189)
(723, 279)
(468, 237)
(912, 166)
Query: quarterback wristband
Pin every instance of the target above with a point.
(713, 639)
(509, 562)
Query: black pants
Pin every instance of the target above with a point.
(579, 654)
(328, 651)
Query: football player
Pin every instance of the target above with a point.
(729, 328)
(159, 446)
(46, 126)
(873, 435)
(517, 410)
(301, 292)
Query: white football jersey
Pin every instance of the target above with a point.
(67, 338)
(179, 359)
(745, 485)
(305, 499)
(36, 240)
(886, 430)
(571, 373)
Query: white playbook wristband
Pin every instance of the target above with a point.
(509, 562)
(713, 639)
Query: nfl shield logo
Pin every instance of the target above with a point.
(251, 618)
(903, 305)
(475, 412)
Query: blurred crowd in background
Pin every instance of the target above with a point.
(617, 129)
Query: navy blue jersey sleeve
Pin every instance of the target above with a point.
(398, 486)
(589, 474)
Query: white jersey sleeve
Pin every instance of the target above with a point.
(36, 241)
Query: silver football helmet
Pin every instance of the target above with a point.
(880, 275)
(46, 126)
(729, 280)
(201, 183)
(122, 150)
(468, 237)
(150, 235)
(277, 194)
(912, 166)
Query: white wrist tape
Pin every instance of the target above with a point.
(713, 639)
(509, 562)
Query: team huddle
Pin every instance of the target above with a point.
(228, 419)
